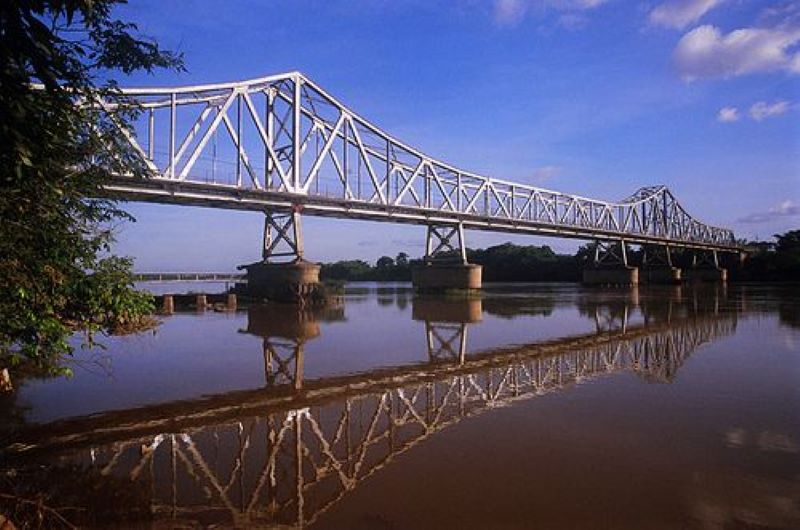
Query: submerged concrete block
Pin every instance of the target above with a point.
(611, 276)
(432, 277)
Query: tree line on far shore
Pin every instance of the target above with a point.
(777, 260)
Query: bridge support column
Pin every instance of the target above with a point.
(705, 268)
(445, 267)
(657, 266)
(610, 266)
(446, 322)
(290, 281)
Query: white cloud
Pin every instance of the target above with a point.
(728, 114)
(509, 12)
(545, 173)
(762, 110)
(786, 208)
(678, 14)
(573, 21)
(512, 12)
(706, 52)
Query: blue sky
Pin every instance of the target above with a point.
(594, 97)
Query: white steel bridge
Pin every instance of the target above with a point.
(282, 144)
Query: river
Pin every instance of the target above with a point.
(530, 406)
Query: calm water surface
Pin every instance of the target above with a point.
(546, 406)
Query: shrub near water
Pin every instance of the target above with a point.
(57, 150)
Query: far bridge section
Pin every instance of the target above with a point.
(227, 277)
(288, 453)
(283, 146)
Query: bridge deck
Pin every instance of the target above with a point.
(283, 143)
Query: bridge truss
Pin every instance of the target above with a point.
(281, 143)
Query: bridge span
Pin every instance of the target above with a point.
(284, 146)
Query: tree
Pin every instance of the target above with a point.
(384, 263)
(787, 254)
(58, 146)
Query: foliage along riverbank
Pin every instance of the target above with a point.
(777, 260)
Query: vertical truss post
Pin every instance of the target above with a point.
(296, 135)
(239, 140)
(439, 246)
(283, 236)
(151, 134)
(345, 165)
(269, 118)
(172, 133)
(299, 478)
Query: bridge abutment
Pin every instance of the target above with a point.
(445, 267)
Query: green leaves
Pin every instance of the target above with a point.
(55, 156)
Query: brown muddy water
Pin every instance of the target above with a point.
(531, 406)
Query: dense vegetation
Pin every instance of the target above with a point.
(772, 261)
(506, 262)
(767, 261)
(57, 148)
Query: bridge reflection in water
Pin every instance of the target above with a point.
(286, 454)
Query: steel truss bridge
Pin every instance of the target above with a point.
(285, 456)
(283, 144)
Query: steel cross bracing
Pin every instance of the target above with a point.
(281, 143)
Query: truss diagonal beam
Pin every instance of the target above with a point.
(298, 113)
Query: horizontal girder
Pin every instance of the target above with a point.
(282, 141)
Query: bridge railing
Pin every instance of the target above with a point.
(284, 136)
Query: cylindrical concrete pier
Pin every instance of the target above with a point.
(230, 303)
(168, 305)
(438, 277)
(611, 276)
(201, 302)
(702, 274)
(285, 282)
(660, 275)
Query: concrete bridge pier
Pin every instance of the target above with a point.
(292, 281)
(657, 266)
(706, 268)
(610, 266)
(446, 323)
(445, 267)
